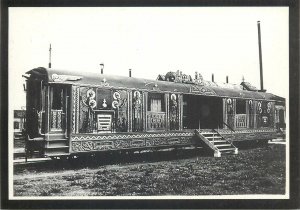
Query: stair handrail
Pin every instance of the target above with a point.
(206, 140)
(230, 128)
(230, 141)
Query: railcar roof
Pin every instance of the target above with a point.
(97, 79)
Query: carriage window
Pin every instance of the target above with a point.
(240, 106)
(156, 102)
(57, 99)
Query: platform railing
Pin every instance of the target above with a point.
(57, 117)
(156, 120)
(241, 120)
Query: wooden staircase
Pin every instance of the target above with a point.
(217, 143)
(56, 144)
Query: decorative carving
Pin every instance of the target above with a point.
(201, 90)
(241, 120)
(230, 113)
(177, 77)
(88, 103)
(156, 120)
(120, 105)
(126, 142)
(62, 78)
(85, 143)
(251, 113)
(75, 112)
(251, 134)
(174, 112)
(104, 104)
(56, 121)
(198, 79)
(137, 116)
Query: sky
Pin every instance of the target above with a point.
(151, 41)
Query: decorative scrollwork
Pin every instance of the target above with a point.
(229, 101)
(91, 94)
(116, 95)
(115, 104)
(92, 103)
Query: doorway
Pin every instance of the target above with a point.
(202, 112)
(59, 103)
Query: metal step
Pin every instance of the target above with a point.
(209, 134)
(218, 141)
(223, 145)
(229, 152)
(227, 149)
(213, 137)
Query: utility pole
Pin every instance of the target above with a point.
(260, 58)
(50, 56)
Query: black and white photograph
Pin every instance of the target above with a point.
(148, 103)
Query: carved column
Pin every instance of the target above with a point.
(254, 114)
(47, 109)
(273, 113)
(129, 111)
(234, 111)
(224, 113)
(145, 109)
(167, 106)
(180, 109)
(247, 112)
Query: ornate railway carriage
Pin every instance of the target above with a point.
(71, 113)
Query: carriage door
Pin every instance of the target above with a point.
(59, 117)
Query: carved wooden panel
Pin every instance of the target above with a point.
(230, 112)
(156, 121)
(173, 112)
(251, 113)
(137, 111)
(120, 105)
(87, 102)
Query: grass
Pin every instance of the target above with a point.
(252, 171)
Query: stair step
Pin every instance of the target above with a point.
(49, 154)
(213, 137)
(227, 149)
(55, 136)
(228, 152)
(208, 134)
(217, 141)
(223, 145)
(56, 143)
(57, 150)
(57, 147)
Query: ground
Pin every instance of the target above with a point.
(258, 170)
